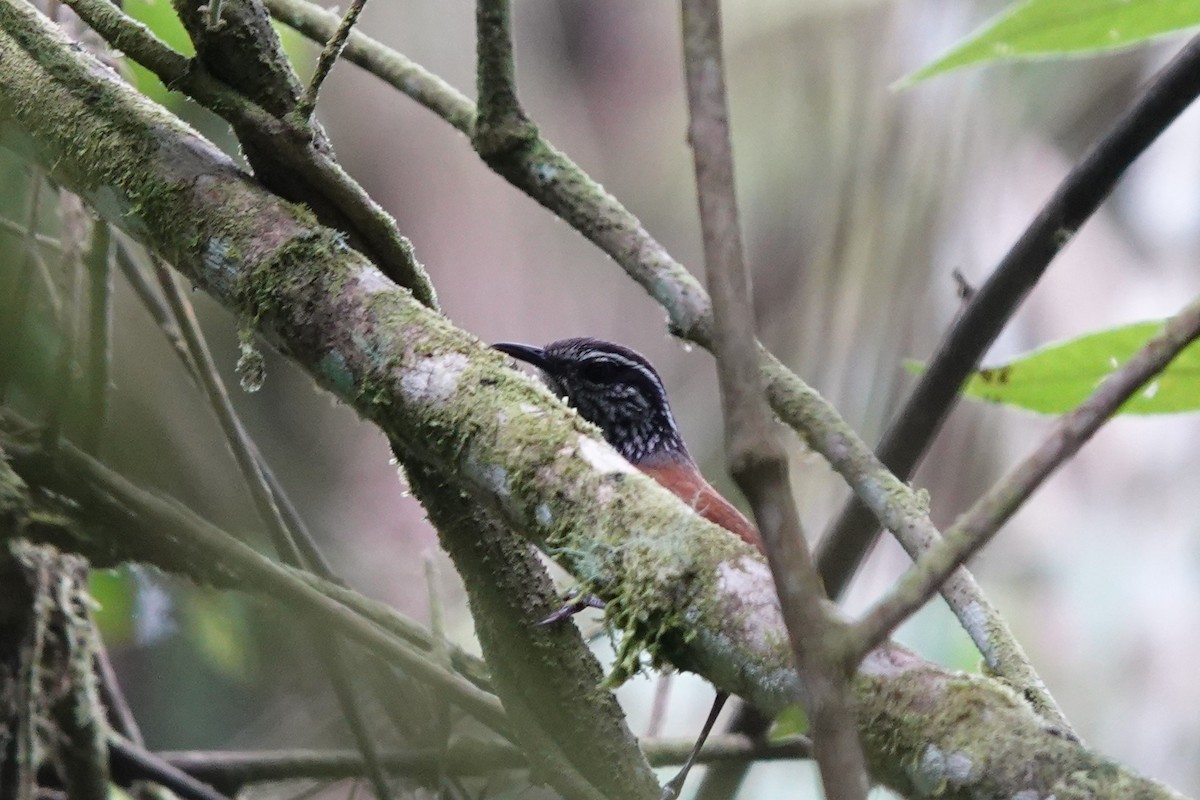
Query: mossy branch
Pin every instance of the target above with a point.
(551, 178)
(678, 585)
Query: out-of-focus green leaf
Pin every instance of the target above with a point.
(1058, 377)
(792, 721)
(217, 623)
(1054, 28)
(114, 592)
(159, 17)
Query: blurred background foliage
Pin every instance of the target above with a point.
(859, 203)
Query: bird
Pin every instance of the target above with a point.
(619, 391)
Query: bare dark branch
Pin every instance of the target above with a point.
(1074, 201)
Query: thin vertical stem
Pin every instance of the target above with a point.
(283, 537)
(12, 325)
(96, 395)
(756, 458)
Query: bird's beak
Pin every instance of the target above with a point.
(523, 352)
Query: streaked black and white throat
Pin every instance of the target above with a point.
(617, 390)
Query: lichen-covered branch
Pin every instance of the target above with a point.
(293, 159)
(551, 178)
(679, 588)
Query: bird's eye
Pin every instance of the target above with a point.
(600, 371)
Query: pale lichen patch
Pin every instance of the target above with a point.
(433, 379)
(958, 768)
(372, 281)
(975, 620)
(602, 457)
(746, 583)
(929, 778)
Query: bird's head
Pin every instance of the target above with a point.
(612, 387)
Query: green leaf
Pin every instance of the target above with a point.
(114, 592)
(1056, 378)
(160, 18)
(790, 722)
(218, 625)
(1055, 28)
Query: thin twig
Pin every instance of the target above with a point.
(64, 387)
(437, 630)
(152, 300)
(469, 666)
(131, 763)
(99, 363)
(1074, 201)
(284, 538)
(120, 715)
(397, 70)
(235, 433)
(19, 230)
(12, 329)
(658, 707)
(465, 757)
(334, 662)
(329, 56)
(976, 527)
(756, 457)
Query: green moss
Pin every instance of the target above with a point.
(267, 290)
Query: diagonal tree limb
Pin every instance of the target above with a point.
(917, 738)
